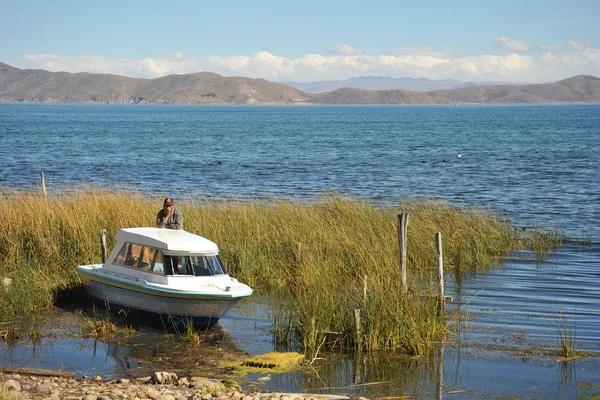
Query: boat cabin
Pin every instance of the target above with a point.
(165, 252)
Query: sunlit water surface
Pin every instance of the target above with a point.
(537, 164)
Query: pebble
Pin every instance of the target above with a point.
(20, 386)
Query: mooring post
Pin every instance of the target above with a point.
(298, 254)
(365, 291)
(438, 247)
(357, 330)
(43, 184)
(402, 227)
(440, 371)
(103, 244)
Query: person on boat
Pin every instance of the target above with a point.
(169, 217)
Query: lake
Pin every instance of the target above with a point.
(538, 165)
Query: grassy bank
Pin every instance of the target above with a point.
(315, 255)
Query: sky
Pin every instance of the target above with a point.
(307, 41)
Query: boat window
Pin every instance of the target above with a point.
(141, 257)
(120, 258)
(201, 266)
(171, 264)
(207, 265)
(185, 266)
(145, 263)
(159, 264)
(132, 258)
(216, 264)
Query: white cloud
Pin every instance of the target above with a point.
(547, 63)
(346, 50)
(573, 45)
(514, 45)
(424, 51)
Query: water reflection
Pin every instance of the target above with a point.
(506, 342)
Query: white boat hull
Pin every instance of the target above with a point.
(157, 306)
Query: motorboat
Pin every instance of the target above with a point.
(169, 277)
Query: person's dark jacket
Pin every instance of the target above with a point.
(175, 220)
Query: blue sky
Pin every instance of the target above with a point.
(303, 41)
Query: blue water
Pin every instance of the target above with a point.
(535, 164)
(538, 164)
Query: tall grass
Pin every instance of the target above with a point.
(316, 253)
(566, 338)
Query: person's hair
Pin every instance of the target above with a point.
(168, 201)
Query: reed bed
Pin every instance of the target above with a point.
(317, 254)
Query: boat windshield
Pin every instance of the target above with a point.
(200, 266)
(153, 260)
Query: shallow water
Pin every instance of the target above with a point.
(506, 343)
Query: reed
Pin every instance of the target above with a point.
(316, 253)
(98, 326)
(566, 339)
(6, 394)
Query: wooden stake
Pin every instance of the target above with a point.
(357, 329)
(440, 371)
(43, 185)
(402, 228)
(365, 291)
(103, 244)
(438, 247)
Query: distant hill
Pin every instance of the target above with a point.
(17, 85)
(385, 83)
(581, 88)
(26, 85)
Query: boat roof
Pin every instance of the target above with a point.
(176, 240)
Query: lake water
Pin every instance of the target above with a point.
(537, 164)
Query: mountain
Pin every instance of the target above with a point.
(25, 85)
(17, 85)
(385, 83)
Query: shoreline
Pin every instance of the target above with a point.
(28, 384)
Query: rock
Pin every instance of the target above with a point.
(44, 387)
(205, 384)
(183, 382)
(164, 378)
(144, 380)
(152, 393)
(23, 387)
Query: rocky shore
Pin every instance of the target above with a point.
(159, 386)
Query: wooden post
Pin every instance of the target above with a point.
(440, 371)
(103, 244)
(438, 247)
(402, 227)
(43, 184)
(365, 291)
(357, 330)
(359, 362)
(298, 254)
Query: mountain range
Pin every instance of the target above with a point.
(28, 85)
(387, 83)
